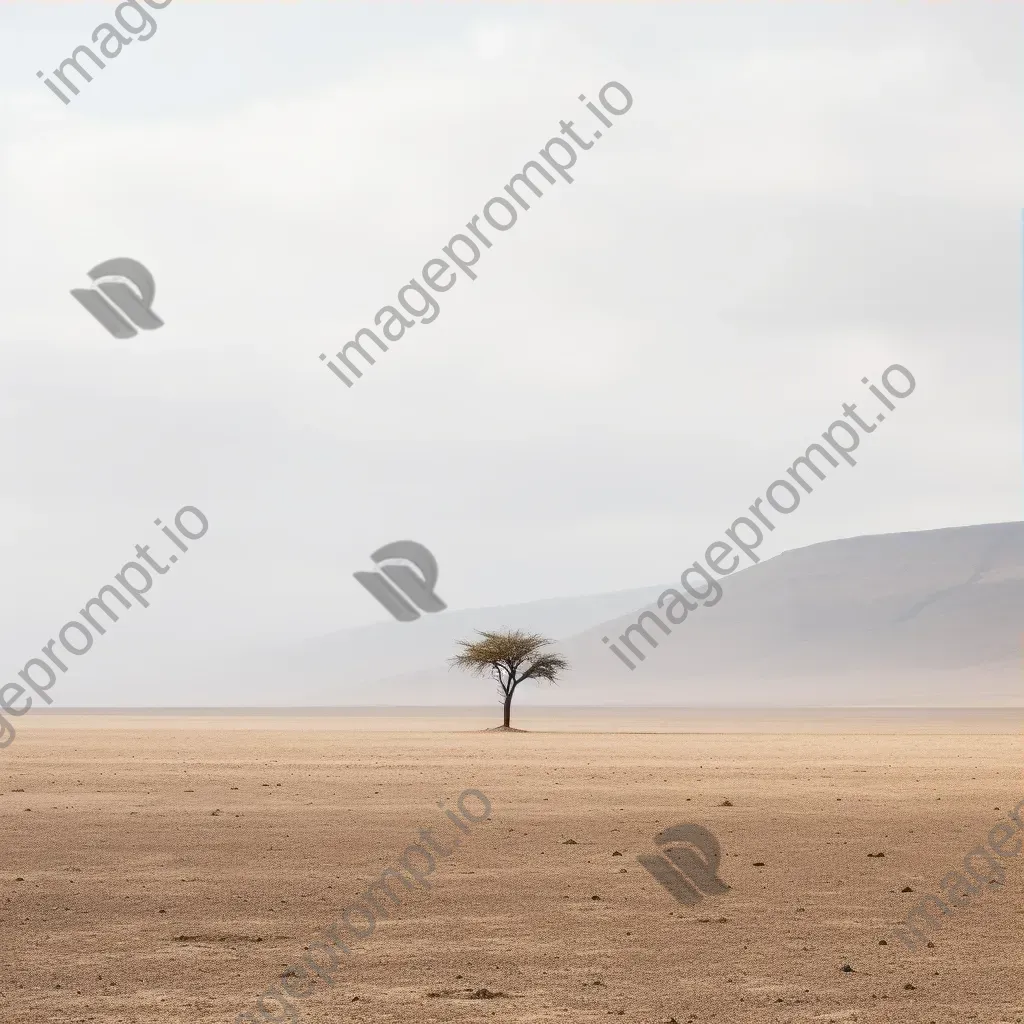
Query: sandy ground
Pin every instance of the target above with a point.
(169, 869)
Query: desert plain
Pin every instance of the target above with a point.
(170, 867)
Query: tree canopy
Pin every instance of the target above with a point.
(510, 657)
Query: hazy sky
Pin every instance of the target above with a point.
(801, 195)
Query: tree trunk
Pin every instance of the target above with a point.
(508, 709)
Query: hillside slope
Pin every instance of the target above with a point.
(933, 617)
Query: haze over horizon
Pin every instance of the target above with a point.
(920, 619)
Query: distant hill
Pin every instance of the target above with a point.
(927, 618)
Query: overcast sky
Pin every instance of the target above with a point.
(800, 196)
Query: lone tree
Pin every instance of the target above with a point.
(512, 658)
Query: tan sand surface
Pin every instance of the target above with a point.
(169, 868)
